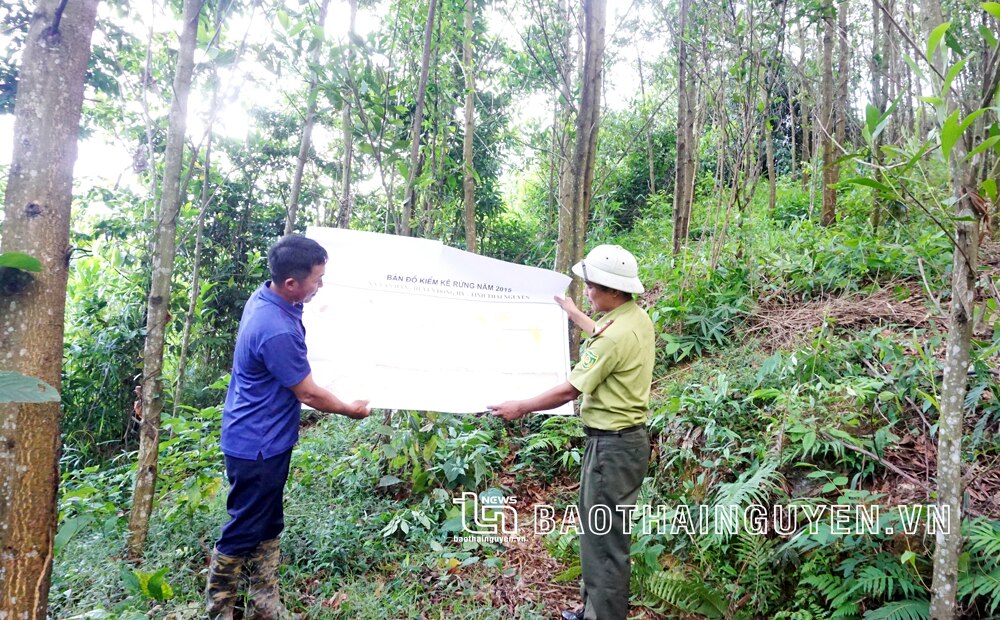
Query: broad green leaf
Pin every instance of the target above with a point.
(931, 100)
(872, 116)
(950, 134)
(158, 588)
(986, 144)
(869, 183)
(935, 39)
(20, 261)
(988, 36)
(989, 188)
(68, 529)
(914, 66)
(17, 388)
(283, 19)
(993, 8)
(388, 481)
(953, 72)
(953, 43)
(952, 129)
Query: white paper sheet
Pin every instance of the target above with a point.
(413, 324)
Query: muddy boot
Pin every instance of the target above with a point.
(223, 585)
(265, 602)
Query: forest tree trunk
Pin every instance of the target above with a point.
(468, 176)
(682, 197)
(312, 97)
(830, 173)
(409, 202)
(159, 290)
(36, 222)
(347, 125)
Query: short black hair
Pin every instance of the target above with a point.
(294, 256)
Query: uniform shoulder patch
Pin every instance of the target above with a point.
(588, 360)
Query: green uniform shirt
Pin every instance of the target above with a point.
(616, 369)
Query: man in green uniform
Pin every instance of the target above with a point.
(614, 375)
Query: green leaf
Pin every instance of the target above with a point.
(935, 39)
(993, 8)
(17, 388)
(953, 72)
(283, 19)
(158, 588)
(953, 129)
(986, 144)
(989, 188)
(68, 529)
(988, 36)
(20, 261)
(900, 610)
(914, 66)
(388, 481)
(931, 100)
(950, 133)
(869, 183)
(872, 116)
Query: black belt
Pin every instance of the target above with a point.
(596, 432)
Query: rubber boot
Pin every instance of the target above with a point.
(222, 586)
(265, 600)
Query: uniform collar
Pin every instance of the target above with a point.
(270, 296)
(610, 317)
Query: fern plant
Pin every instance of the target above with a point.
(686, 594)
(980, 585)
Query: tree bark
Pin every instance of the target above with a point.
(682, 198)
(347, 124)
(830, 172)
(468, 178)
(159, 290)
(588, 119)
(948, 542)
(36, 222)
(880, 52)
(649, 133)
(409, 202)
(565, 235)
(772, 179)
(844, 71)
(195, 273)
(791, 124)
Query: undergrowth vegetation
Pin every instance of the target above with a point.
(774, 435)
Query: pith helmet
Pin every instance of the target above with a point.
(612, 266)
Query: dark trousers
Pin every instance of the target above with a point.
(611, 476)
(255, 503)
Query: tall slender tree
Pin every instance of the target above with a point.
(685, 135)
(416, 127)
(309, 120)
(830, 172)
(347, 129)
(36, 222)
(159, 291)
(468, 169)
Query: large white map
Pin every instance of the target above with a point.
(413, 324)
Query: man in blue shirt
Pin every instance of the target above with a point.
(271, 380)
